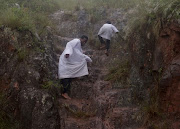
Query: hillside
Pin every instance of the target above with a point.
(135, 87)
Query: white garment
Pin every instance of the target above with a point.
(76, 64)
(107, 31)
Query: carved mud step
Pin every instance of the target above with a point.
(115, 98)
(88, 123)
(116, 118)
(78, 114)
(100, 87)
(78, 108)
(95, 103)
(81, 90)
(121, 118)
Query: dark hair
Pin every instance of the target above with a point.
(84, 37)
(108, 22)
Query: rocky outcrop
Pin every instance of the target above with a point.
(155, 71)
(27, 73)
(169, 48)
(28, 68)
(73, 24)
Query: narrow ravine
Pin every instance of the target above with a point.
(95, 103)
(136, 87)
(100, 104)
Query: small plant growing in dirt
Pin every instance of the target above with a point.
(79, 113)
(50, 84)
(22, 54)
(119, 73)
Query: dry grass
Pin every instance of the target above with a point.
(152, 13)
(80, 114)
(119, 73)
(28, 15)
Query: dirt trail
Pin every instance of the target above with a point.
(95, 103)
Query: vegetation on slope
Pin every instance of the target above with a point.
(153, 13)
(27, 15)
(33, 16)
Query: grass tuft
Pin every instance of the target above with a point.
(27, 15)
(152, 13)
(16, 18)
(80, 114)
(119, 73)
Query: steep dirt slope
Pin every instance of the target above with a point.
(96, 104)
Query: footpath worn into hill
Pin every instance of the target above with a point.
(95, 104)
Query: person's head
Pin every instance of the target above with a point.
(83, 39)
(108, 22)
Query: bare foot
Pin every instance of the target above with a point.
(102, 47)
(106, 52)
(66, 96)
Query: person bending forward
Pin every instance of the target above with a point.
(106, 32)
(72, 63)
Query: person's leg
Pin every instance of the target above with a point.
(102, 42)
(101, 39)
(107, 47)
(69, 80)
(66, 82)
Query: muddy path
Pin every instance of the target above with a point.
(96, 103)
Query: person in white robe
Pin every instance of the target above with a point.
(106, 32)
(72, 63)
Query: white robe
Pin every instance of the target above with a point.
(76, 64)
(107, 31)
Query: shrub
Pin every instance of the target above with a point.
(152, 13)
(22, 54)
(119, 73)
(43, 6)
(79, 113)
(49, 84)
(31, 15)
(16, 18)
(89, 4)
(41, 22)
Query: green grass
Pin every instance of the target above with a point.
(15, 18)
(154, 13)
(22, 54)
(119, 72)
(42, 6)
(32, 15)
(80, 114)
(89, 4)
(49, 84)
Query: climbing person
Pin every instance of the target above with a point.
(72, 63)
(105, 33)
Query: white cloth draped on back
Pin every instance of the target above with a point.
(76, 64)
(107, 31)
